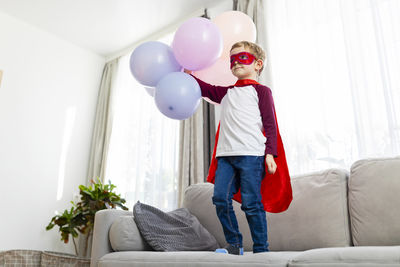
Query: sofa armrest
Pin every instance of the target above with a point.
(102, 222)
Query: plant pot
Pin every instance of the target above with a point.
(85, 245)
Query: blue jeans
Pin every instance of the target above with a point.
(247, 173)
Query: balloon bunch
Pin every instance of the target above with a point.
(200, 45)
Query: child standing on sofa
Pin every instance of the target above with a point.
(242, 151)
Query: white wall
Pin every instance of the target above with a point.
(47, 104)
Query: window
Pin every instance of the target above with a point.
(335, 68)
(143, 153)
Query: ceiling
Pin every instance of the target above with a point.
(102, 26)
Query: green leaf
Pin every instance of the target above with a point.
(80, 217)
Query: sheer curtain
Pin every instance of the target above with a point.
(143, 153)
(335, 67)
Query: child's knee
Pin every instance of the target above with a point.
(251, 206)
(220, 200)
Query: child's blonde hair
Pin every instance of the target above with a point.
(255, 49)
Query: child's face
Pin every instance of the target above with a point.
(247, 68)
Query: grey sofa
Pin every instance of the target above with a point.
(337, 218)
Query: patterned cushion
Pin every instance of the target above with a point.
(20, 257)
(177, 230)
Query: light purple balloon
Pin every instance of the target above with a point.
(151, 61)
(177, 95)
(197, 44)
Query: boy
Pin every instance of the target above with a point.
(242, 151)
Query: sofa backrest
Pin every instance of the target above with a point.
(198, 201)
(374, 202)
(317, 216)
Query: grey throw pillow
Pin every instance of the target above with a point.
(177, 230)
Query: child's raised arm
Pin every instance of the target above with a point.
(213, 92)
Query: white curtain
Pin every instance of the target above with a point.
(335, 66)
(143, 153)
(103, 124)
(255, 9)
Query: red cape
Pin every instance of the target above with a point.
(276, 190)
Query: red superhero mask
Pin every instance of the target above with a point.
(243, 58)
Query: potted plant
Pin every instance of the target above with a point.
(80, 218)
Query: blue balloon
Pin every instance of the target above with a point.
(151, 61)
(177, 95)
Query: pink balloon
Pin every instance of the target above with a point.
(235, 26)
(197, 44)
(217, 74)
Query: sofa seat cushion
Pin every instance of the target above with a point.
(191, 258)
(350, 256)
(374, 202)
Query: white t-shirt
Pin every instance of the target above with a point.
(241, 124)
(247, 109)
